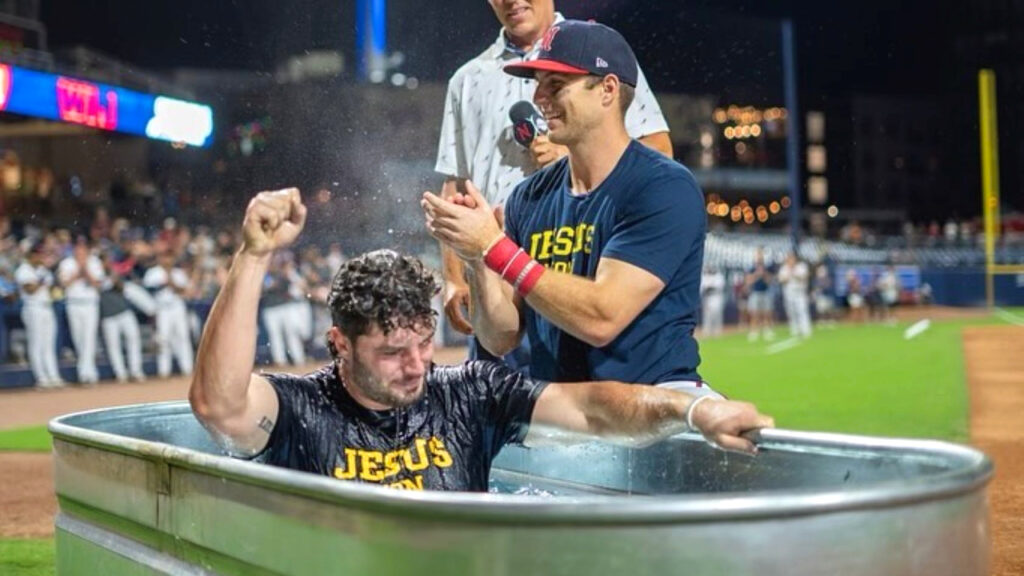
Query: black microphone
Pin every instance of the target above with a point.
(527, 122)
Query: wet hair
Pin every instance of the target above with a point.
(382, 288)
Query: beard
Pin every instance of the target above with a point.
(378, 391)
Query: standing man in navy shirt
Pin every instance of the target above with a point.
(604, 246)
(477, 144)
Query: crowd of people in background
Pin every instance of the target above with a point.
(125, 289)
(802, 294)
(134, 289)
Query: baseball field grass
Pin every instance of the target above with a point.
(901, 379)
(859, 379)
(27, 557)
(29, 439)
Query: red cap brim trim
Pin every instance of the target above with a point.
(528, 68)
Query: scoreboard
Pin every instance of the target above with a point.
(65, 99)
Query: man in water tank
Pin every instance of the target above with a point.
(382, 412)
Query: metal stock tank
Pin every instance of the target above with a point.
(143, 490)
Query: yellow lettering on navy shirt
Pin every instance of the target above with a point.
(563, 241)
(551, 247)
(581, 231)
(378, 467)
(442, 459)
(349, 471)
(392, 463)
(421, 462)
(369, 463)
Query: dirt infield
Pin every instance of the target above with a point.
(27, 500)
(995, 376)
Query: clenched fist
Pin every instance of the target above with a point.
(273, 220)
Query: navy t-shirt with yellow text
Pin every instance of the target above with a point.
(444, 441)
(649, 212)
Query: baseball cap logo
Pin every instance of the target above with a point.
(600, 63)
(545, 44)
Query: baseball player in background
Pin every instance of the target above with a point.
(35, 281)
(712, 292)
(889, 290)
(794, 277)
(120, 328)
(169, 284)
(81, 274)
(759, 302)
(284, 328)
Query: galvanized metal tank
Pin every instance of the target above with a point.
(142, 490)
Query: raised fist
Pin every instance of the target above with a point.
(273, 220)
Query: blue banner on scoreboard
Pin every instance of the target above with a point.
(66, 99)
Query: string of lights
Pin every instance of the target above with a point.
(745, 211)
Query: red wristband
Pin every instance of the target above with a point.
(507, 259)
(499, 254)
(529, 278)
(514, 265)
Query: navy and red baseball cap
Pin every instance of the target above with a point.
(577, 47)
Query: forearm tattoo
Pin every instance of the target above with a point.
(266, 424)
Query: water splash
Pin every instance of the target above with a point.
(530, 490)
(500, 487)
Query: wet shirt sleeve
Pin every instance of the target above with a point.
(291, 443)
(508, 400)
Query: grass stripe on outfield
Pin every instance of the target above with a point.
(31, 439)
(27, 557)
(861, 379)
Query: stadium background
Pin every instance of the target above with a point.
(889, 172)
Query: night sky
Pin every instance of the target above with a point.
(726, 47)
